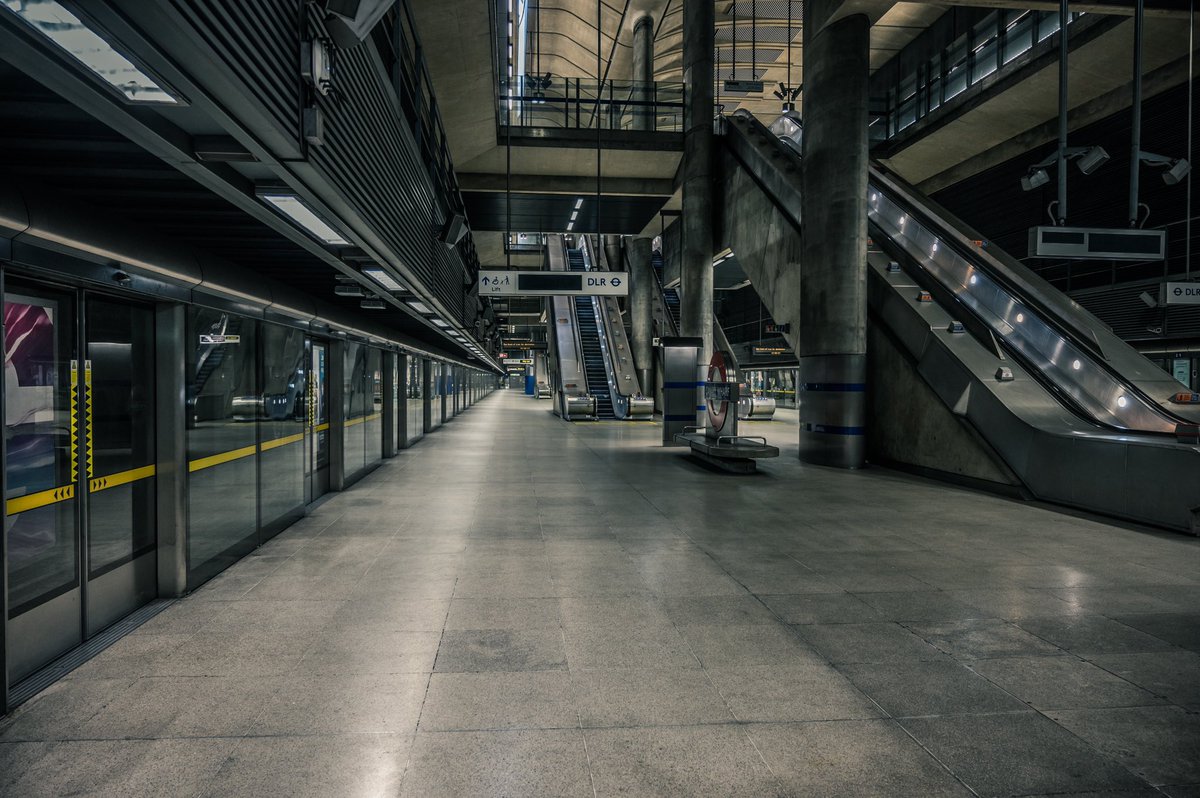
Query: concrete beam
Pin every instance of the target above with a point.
(1115, 9)
(1094, 110)
(564, 184)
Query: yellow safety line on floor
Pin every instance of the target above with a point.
(224, 457)
(321, 427)
(121, 478)
(43, 498)
(277, 442)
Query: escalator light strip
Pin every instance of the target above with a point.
(834, 387)
(224, 457)
(43, 498)
(267, 446)
(120, 478)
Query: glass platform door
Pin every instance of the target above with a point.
(79, 468)
(118, 411)
(318, 415)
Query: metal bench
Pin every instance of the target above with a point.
(733, 453)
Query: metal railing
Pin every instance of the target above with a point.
(583, 104)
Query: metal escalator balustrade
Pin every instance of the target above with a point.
(589, 338)
(1108, 384)
(1072, 367)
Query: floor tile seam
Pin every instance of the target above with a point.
(1095, 750)
(1079, 656)
(1187, 707)
(746, 724)
(234, 738)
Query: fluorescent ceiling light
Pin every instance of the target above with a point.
(372, 304)
(440, 323)
(292, 207)
(69, 33)
(383, 278)
(579, 203)
(574, 215)
(420, 307)
(570, 226)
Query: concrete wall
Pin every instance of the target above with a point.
(766, 243)
(908, 424)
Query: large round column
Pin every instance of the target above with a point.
(831, 387)
(643, 72)
(695, 270)
(641, 310)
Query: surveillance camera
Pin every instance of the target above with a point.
(1148, 298)
(1092, 159)
(1035, 179)
(1178, 171)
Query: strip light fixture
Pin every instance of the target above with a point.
(420, 307)
(294, 208)
(90, 49)
(384, 278)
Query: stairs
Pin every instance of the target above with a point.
(589, 339)
(670, 295)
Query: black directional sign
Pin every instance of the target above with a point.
(531, 283)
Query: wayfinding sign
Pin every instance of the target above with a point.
(1181, 293)
(537, 283)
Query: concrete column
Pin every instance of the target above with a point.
(641, 310)
(643, 72)
(612, 252)
(696, 275)
(833, 291)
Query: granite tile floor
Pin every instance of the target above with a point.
(521, 607)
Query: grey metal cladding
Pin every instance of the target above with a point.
(371, 157)
(260, 39)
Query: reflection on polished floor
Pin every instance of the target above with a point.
(520, 606)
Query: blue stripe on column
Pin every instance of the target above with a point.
(688, 417)
(683, 384)
(829, 429)
(841, 387)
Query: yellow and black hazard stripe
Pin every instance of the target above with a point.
(62, 493)
(350, 422)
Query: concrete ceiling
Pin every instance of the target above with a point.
(998, 127)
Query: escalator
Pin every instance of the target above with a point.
(1060, 405)
(589, 339)
(670, 296)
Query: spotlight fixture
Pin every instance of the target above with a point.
(1088, 159)
(1091, 159)
(1177, 168)
(1178, 171)
(1035, 178)
(372, 304)
(352, 289)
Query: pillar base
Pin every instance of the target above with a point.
(831, 394)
